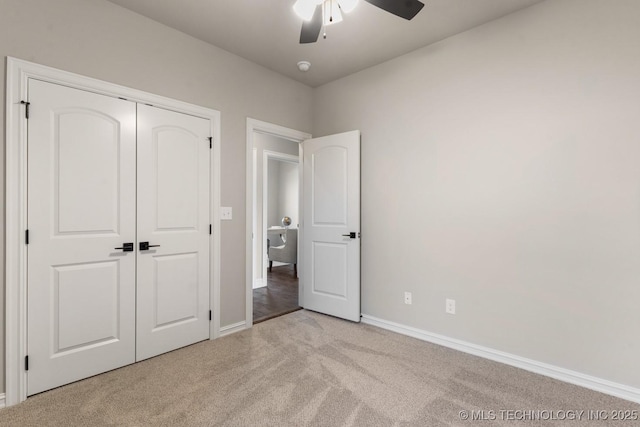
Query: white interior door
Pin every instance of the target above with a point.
(173, 217)
(331, 225)
(81, 198)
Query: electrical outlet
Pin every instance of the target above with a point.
(407, 297)
(226, 213)
(450, 306)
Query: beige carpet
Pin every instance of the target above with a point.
(308, 369)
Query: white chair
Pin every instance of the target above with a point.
(287, 253)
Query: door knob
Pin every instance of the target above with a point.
(126, 247)
(351, 235)
(144, 246)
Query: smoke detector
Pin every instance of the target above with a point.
(304, 66)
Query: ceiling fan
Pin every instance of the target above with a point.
(319, 13)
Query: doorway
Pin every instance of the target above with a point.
(273, 193)
(328, 255)
(275, 291)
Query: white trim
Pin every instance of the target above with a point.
(215, 262)
(256, 126)
(233, 328)
(283, 157)
(18, 74)
(572, 377)
(2, 401)
(15, 224)
(257, 282)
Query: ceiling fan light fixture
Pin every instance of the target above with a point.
(305, 8)
(328, 12)
(331, 13)
(348, 5)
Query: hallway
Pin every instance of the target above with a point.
(279, 297)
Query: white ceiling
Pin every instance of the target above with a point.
(267, 31)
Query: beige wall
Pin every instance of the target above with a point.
(283, 192)
(101, 40)
(501, 168)
(288, 197)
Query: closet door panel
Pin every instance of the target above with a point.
(81, 207)
(173, 218)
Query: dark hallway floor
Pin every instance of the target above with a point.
(279, 297)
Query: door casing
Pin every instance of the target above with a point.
(18, 74)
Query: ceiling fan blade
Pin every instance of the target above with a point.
(406, 9)
(311, 29)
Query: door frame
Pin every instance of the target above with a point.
(18, 74)
(281, 157)
(253, 127)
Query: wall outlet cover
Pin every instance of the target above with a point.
(450, 306)
(407, 297)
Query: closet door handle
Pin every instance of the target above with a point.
(144, 246)
(126, 247)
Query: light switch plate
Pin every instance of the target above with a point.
(226, 213)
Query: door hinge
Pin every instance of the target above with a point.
(26, 237)
(209, 315)
(210, 229)
(26, 108)
(26, 363)
(210, 142)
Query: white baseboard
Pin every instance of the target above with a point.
(259, 283)
(233, 328)
(598, 384)
(2, 401)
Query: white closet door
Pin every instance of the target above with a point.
(173, 217)
(81, 196)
